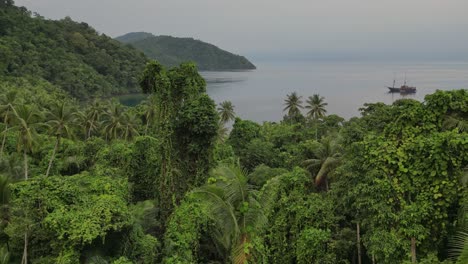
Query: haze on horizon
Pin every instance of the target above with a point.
(284, 28)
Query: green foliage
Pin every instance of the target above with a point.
(65, 213)
(296, 211)
(181, 242)
(312, 247)
(172, 51)
(114, 159)
(233, 215)
(243, 132)
(261, 174)
(186, 125)
(259, 152)
(140, 247)
(71, 55)
(405, 174)
(195, 132)
(4, 255)
(123, 260)
(398, 174)
(224, 154)
(143, 168)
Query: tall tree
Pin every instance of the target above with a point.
(155, 81)
(130, 126)
(293, 104)
(6, 110)
(60, 118)
(226, 112)
(327, 156)
(186, 125)
(238, 211)
(316, 105)
(113, 120)
(91, 118)
(150, 112)
(27, 120)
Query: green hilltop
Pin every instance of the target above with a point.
(172, 51)
(68, 54)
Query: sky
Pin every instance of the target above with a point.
(287, 28)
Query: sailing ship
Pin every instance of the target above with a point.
(404, 89)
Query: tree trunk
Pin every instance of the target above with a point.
(373, 259)
(146, 128)
(3, 140)
(358, 238)
(4, 132)
(25, 160)
(24, 260)
(413, 250)
(57, 142)
(88, 135)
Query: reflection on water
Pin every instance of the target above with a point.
(214, 78)
(258, 95)
(131, 99)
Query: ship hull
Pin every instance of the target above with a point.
(403, 90)
(393, 90)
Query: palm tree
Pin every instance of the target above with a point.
(4, 255)
(316, 105)
(90, 118)
(11, 167)
(27, 119)
(226, 112)
(458, 245)
(222, 133)
(327, 156)
(293, 104)
(236, 209)
(113, 121)
(6, 110)
(130, 126)
(60, 118)
(456, 120)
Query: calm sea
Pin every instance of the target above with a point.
(346, 85)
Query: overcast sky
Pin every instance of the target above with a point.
(274, 27)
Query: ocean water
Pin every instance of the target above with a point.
(346, 85)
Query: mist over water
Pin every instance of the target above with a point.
(346, 85)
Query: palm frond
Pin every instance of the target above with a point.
(458, 250)
(328, 165)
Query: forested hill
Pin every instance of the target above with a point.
(172, 51)
(68, 54)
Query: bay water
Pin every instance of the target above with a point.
(259, 94)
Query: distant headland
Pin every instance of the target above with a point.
(171, 51)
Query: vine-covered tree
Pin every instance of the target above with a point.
(186, 125)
